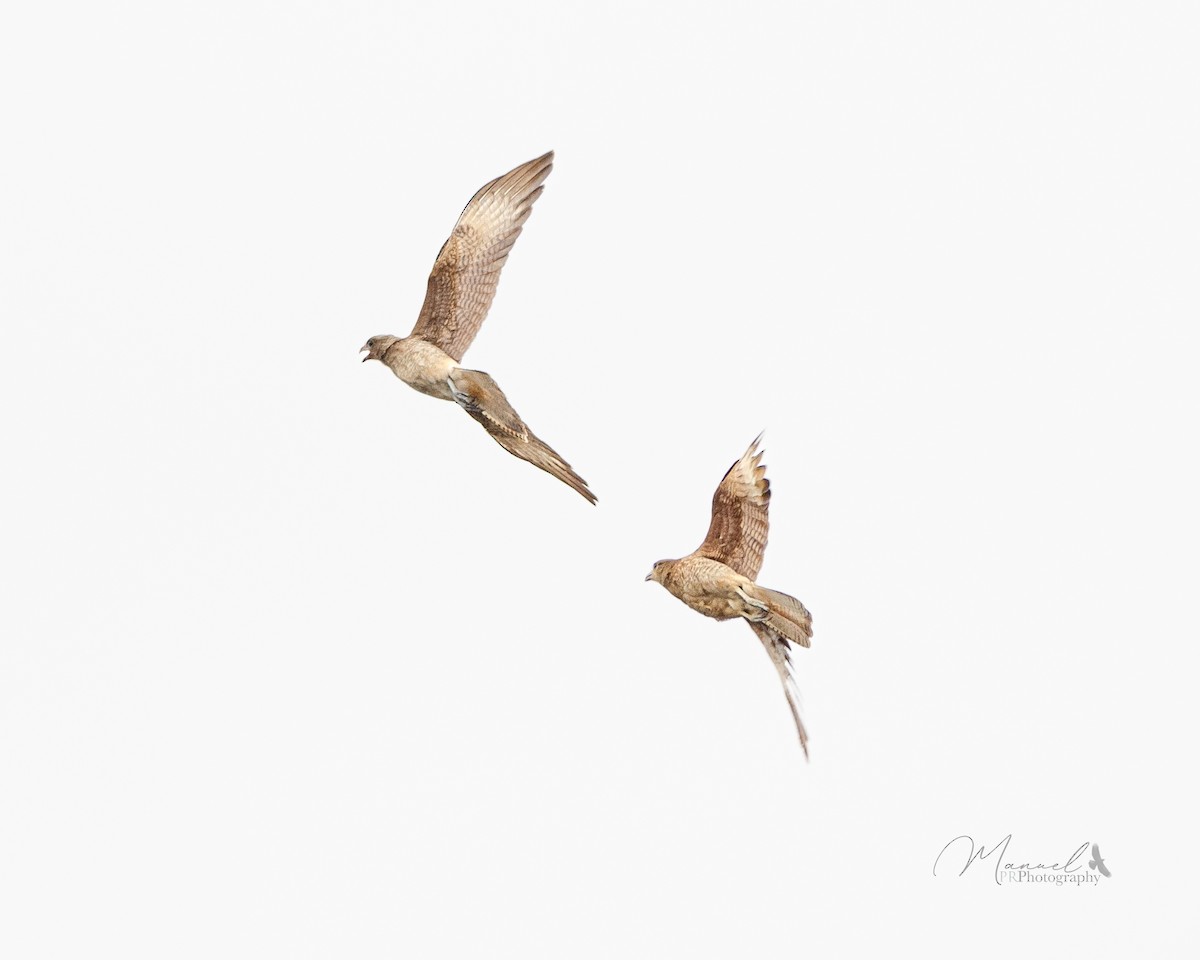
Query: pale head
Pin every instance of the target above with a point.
(377, 346)
(661, 569)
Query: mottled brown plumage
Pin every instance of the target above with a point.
(460, 291)
(717, 579)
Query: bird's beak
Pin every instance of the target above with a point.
(649, 576)
(366, 347)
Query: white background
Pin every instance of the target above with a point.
(298, 663)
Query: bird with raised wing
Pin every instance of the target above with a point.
(459, 293)
(717, 579)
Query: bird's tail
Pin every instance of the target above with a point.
(541, 455)
(786, 615)
(480, 395)
(777, 650)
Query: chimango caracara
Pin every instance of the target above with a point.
(460, 290)
(717, 579)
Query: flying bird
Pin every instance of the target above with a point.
(460, 290)
(1096, 863)
(717, 579)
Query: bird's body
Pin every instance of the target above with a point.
(424, 366)
(459, 292)
(709, 587)
(718, 578)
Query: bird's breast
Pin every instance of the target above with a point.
(423, 366)
(707, 587)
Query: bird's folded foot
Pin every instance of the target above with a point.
(461, 398)
(759, 604)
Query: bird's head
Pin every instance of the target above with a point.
(661, 568)
(376, 346)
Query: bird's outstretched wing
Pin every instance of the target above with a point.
(482, 398)
(464, 276)
(737, 536)
(778, 650)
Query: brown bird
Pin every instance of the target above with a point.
(717, 579)
(461, 287)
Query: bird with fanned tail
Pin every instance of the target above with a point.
(459, 293)
(717, 579)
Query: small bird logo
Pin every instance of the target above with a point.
(1096, 863)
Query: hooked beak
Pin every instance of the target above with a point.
(367, 347)
(649, 576)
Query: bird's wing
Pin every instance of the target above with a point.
(464, 276)
(737, 536)
(779, 651)
(482, 398)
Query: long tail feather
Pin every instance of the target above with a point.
(541, 455)
(777, 650)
